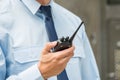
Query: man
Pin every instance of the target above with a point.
(25, 53)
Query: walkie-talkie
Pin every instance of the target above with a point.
(64, 43)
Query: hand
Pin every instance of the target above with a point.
(52, 64)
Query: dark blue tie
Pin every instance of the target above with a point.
(46, 10)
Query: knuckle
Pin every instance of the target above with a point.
(70, 51)
(60, 63)
(72, 54)
(55, 59)
(47, 44)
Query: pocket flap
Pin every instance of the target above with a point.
(79, 52)
(79, 47)
(23, 55)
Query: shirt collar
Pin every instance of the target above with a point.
(33, 5)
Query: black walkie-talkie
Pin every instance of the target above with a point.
(64, 43)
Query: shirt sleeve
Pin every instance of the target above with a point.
(31, 73)
(2, 65)
(89, 66)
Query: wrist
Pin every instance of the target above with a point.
(42, 72)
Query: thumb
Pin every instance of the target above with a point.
(48, 47)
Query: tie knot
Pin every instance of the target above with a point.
(46, 10)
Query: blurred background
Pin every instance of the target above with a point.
(102, 20)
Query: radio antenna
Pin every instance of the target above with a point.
(72, 37)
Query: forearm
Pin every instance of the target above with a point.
(31, 73)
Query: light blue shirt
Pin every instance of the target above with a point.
(23, 36)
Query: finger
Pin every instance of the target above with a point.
(65, 60)
(66, 52)
(48, 47)
(46, 58)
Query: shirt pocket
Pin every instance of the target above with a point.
(27, 54)
(79, 47)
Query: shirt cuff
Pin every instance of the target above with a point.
(31, 73)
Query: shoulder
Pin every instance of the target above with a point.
(4, 6)
(7, 5)
(68, 14)
(5, 14)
